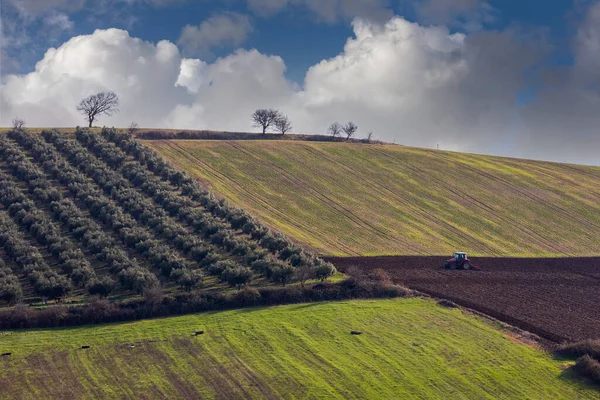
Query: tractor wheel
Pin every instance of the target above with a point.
(466, 265)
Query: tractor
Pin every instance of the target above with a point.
(460, 261)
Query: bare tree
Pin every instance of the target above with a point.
(264, 118)
(97, 104)
(335, 129)
(369, 136)
(18, 123)
(350, 129)
(133, 127)
(283, 124)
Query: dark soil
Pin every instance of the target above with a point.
(556, 298)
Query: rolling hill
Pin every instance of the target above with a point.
(409, 348)
(361, 199)
(94, 213)
(79, 217)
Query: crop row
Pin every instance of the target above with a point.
(10, 288)
(104, 209)
(191, 189)
(147, 213)
(24, 211)
(215, 231)
(83, 229)
(46, 282)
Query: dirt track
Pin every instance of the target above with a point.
(557, 299)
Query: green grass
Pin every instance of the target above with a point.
(410, 348)
(353, 199)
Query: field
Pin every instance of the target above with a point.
(555, 298)
(360, 199)
(80, 216)
(410, 348)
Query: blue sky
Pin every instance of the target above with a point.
(295, 34)
(516, 78)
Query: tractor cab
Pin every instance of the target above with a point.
(459, 257)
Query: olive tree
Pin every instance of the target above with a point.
(106, 103)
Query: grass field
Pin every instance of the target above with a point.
(410, 348)
(352, 199)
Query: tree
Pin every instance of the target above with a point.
(369, 136)
(190, 280)
(101, 287)
(264, 118)
(236, 276)
(335, 129)
(106, 103)
(133, 127)
(304, 272)
(324, 270)
(283, 124)
(18, 123)
(350, 129)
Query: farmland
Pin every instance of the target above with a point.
(96, 214)
(554, 298)
(359, 199)
(81, 217)
(409, 348)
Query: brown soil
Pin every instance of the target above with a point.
(556, 298)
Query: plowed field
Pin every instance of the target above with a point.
(557, 299)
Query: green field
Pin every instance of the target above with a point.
(357, 199)
(410, 348)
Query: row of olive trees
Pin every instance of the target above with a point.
(179, 206)
(132, 275)
(83, 228)
(10, 288)
(238, 219)
(132, 219)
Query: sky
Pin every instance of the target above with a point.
(512, 78)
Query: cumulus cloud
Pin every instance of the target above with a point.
(143, 74)
(420, 86)
(413, 84)
(231, 89)
(226, 29)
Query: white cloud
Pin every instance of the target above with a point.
(59, 21)
(232, 88)
(143, 74)
(412, 84)
(226, 29)
(191, 74)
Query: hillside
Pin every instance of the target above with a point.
(79, 217)
(359, 199)
(409, 348)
